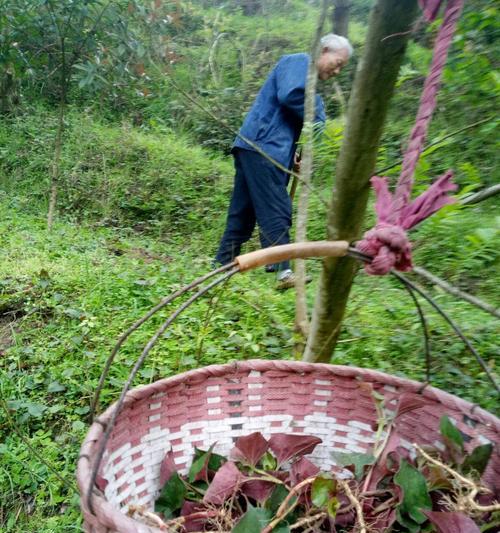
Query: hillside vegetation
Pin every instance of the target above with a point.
(144, 186)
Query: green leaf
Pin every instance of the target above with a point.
(36, 409)
(212, 461)
(478, 459)
(332, 507)
(322, 490)
(276, 498)
(78, 425)
(268, 461)
(55, 386)
(415, 494)
(201, 458)
(410, 525)
(216, 461)
(253, 521)
(356, 459)
(171, 497)
(451, 433)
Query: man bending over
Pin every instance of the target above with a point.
(274, 124)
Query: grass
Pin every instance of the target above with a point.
(72, 292)
(65, 296)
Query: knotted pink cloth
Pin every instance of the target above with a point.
(387, 243)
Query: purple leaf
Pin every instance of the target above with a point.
(409, 402)
(167, 467)
(225, 482)
(302, 469)
(452, 522)
(384, 520)
(258, 489)
(251, 448)
(192, 524)
(380, 469)
(286, 447)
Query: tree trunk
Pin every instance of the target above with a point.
(301, 314)
(56, 162)
(389, 30)
(56, 167)
(251, 7)
(340, 17)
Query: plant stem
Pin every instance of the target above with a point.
(355, 503)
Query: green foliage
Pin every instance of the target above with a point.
(253, 521)
(415, 494)
(171, 497)
(143, 207)
(145, 175)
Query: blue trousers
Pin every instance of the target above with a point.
(259, 196)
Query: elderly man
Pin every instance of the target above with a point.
(274, 124)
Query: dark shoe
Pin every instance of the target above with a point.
(289, 281)
(270, 268)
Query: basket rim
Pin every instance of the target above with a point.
(107, 513)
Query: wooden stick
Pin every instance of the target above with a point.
(457, 292)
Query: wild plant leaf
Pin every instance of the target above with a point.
(192, 524)
(452, 522)
(199, 466)
(451, 435)
(268, 461)
(55, 386)
(253, 521)
(478, 460)
(171, 496)
(167, 467)
(302, 469)
(286, 447)
(276, 498)
(225, 482)
(332, 507)
(437, 478)
(354, 459)
(415, 494)
(35, 410)
(258, 489)
(252, 447)
(322, 490)
(408, 523)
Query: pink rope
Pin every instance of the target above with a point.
(388, 242)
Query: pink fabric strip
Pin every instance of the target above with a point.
(427, 105)
(387, 242)
(430, 8)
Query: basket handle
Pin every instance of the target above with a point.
(296, 250)
(240, 264)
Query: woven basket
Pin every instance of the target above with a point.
(219, 403)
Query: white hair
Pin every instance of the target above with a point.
(334, 43)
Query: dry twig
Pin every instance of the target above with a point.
(356, 504)
(283, 509)
(149, 518)
(468, 501)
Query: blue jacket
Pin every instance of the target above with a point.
(275, 119)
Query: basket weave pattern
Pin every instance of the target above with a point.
(220, 403)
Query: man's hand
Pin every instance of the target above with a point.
(296, 162)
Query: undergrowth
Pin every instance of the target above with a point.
(66, 296)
